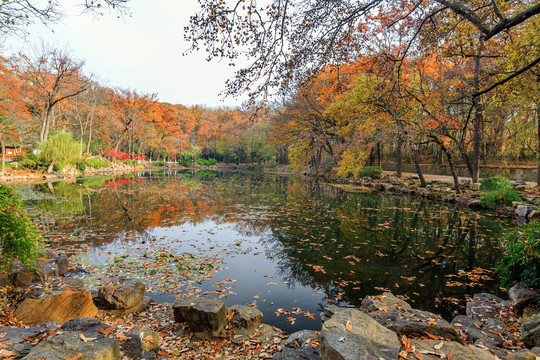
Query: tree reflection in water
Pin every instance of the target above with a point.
(349, 245)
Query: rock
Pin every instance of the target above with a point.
(62, 263)
(475, 331)
(305, 353)
(69, 345)
(204, 315)
(49, 269)
(329, 311)
(149, 355)
(523, 211)
(59, 306)
(140, 341)
(530, 332)
(520, 297)
(20, 276)
(88, 326)
(300, 339)
(367, 338)
(4, 280)
(245, 316)
(384, 302)
(484, 306)
(123, 293)
(409, 322)
(436, 350)
(534, 215)
(475, 186)
(522, 355)
(536, 350)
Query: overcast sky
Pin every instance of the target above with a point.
(142, 51)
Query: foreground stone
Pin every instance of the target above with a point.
(140, 341)
(476, 332)
(121, 293)
(89, 327)
(367, 339)
(245, 316)
(416, 322)
(530, 332)
(300, 339)
(485, 306)
(16, 338)
(57, 305)
(304, 353)
(436, 350)
(203, 315)
(70, 345)
(385, 302)
(520, 297)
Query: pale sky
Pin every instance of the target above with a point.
(142, 51)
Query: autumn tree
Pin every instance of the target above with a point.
(50, 76)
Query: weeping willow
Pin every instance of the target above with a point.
(61, 150)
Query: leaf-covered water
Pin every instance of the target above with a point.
(284, 244)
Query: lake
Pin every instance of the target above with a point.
(286, 244)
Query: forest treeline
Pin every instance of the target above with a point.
(416, 82)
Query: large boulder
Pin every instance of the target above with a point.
(520, 297)
(121, 293)
(245, 317)
(385, 302)
(485, 306)
(353, 335)
(530, 331)
(203, 314)
(16, 339)
(476, 331)
(70, 344)
(415, 322)
(89, 327)
(437, 350)
(57, 305)
(523, 211)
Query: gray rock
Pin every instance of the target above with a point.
(536, 350)
(409, 322)
(4, 280)
(204, 315)
(475, 331)
(245, 316)
(329, 311)
(149, 355)
(88, 326)
(20, 276)
(385, 302)
(530, 331)
(522, 355)
(69, 344)
(523, 211)
(437, 350)
(123, 293)
(300, 339)
(305, 353)
(367, 339)
(49, 269)
(521, 297)
(140, 341)
(62, 263)
(485, 306)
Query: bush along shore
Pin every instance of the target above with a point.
(47, 313)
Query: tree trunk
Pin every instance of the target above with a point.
(379, 154)
(477, 122)
(50, 168)
(399, 160)
(450, 163)
(417, 166)
(537, 113)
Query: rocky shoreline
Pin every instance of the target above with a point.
(52, 316)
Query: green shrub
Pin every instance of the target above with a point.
(62, 149)
(81, 166)
(96, 163)
(253, 167)
(368, 171)
(206, 162)
(27, 163)
(273, 165)
(497, 190)
(19, 238)
(160, 164)
(521, 260)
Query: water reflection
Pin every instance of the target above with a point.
(310, 236)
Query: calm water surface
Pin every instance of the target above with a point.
(283, 244)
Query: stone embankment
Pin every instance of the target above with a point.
(64, 320)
